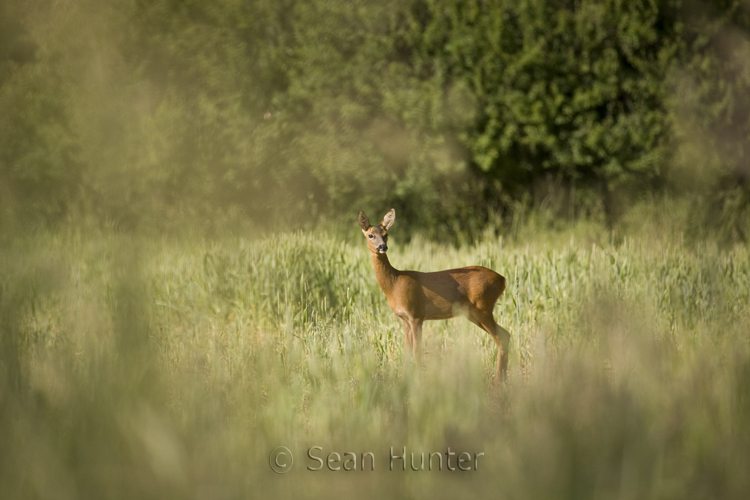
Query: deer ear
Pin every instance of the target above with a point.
(364, 222)
(388, 219)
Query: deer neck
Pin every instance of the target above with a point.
(384, 272)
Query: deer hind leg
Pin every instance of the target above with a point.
(500, 335)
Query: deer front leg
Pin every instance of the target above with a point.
(416, 335)
(407, 335)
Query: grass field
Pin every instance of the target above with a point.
(146, 367)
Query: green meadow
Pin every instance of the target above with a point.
(139, 366)
(188, 308)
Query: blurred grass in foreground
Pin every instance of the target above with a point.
(139, 367)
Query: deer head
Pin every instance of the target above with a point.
(377, 236)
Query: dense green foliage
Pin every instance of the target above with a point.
(454, 112)
(152, 368)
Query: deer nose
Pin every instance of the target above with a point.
(383, 248)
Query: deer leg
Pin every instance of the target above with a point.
(502, 361)
(500, 335)
(407, 335)
(416, 333)
(475, 321)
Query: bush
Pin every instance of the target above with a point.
(450, 111)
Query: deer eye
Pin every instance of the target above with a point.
(370, 236)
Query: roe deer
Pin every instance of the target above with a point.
(415, 296)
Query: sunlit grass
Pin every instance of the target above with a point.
(161, 368)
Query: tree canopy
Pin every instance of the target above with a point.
(448, 110)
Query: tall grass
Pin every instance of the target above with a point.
(159, 368)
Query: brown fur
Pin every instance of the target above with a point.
(416, 297)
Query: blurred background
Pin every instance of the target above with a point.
(183, 287)
(284, 114)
